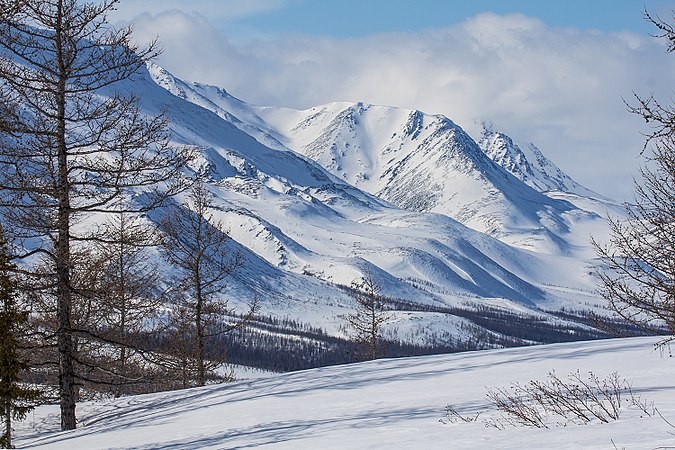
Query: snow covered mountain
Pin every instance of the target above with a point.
(527, 163)
(420, 162)
(427, 163)
(317, 198)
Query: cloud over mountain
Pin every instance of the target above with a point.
(561, 87)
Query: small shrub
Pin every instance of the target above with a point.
(556, 401)
(575, 399)
(453, 416)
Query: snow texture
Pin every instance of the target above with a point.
(385, 404)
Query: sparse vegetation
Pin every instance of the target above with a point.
(556, 401)
(576, 399)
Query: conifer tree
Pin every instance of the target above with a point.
(16, 399)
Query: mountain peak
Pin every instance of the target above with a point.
(527, 163)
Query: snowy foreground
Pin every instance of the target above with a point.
(392, 404)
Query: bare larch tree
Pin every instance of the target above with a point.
(71, 146)
(126, 296)
(638, 279)
(199, 246)
(368, 318)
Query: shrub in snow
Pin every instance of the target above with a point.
(555, 401)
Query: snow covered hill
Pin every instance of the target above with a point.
(385, 404)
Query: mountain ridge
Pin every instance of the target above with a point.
(327, 227)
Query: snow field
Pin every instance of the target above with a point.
(385, 404)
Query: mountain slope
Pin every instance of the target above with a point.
(307, 231)
(418, 162)
(423, 163)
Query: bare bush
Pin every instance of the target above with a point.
(453, 416)
(576, 399)
(518, 405)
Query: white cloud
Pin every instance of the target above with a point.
(559, 88)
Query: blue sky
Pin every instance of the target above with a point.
(353, 18)
(554, 73)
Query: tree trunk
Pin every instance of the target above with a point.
(123, 307)
(63, 288)
(8, 425)
(201, 370)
